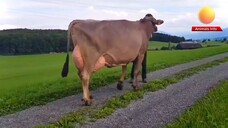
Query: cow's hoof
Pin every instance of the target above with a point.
(87, 102)
(120, 85)
(135, 87)
(91, 97)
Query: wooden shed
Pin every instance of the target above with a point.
(188, 45)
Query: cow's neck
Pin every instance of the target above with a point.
(149, 29)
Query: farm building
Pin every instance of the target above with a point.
(188, 45)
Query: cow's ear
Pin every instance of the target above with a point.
(159, 22)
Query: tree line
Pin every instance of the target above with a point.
(27, 41)
(166, 38)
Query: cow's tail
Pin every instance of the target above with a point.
(66, 64)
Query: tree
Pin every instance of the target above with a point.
(224, 40)
(204, 41)
(169, 45)
(166, 38)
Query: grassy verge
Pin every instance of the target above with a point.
(210, 112)
(89, 114)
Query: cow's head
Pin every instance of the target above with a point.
(154, 22)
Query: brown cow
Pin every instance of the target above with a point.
(108, 43)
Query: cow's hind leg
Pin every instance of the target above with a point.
(83, 74)
(87, 97)
(120, 82)
(137, 71)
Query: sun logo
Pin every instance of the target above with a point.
(206, 15)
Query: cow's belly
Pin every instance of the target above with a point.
(108, 60)
(120, 56)
(112, 61)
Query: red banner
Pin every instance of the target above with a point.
(206, 28)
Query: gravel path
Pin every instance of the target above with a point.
(51, 112)
(158, 108)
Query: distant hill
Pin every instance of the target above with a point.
(207, 35)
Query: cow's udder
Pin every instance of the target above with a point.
(100, 63)
(77, 57)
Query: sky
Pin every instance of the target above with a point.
(178, 15)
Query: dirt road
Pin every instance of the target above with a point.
(161, 107)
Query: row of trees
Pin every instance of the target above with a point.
(26, 41)
(167, 38)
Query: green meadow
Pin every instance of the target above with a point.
(210, 112)
(212, 43)
(158, 45)
(30, 80)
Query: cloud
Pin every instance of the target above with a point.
(179, 15)
(7, 26)
(116, 13)
(178, 23)
(109, 12)
(221, 16)
(4, 11)
(91, 7)
(150, 10)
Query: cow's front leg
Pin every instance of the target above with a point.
(120, 82)
(135, 81)
(138, 62)
(87, 97)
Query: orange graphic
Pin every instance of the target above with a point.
(206, 15)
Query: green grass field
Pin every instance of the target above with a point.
(35, 79)
(157, 45)
(211, 112)
(212, 43)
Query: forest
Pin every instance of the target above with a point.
(37, 41)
